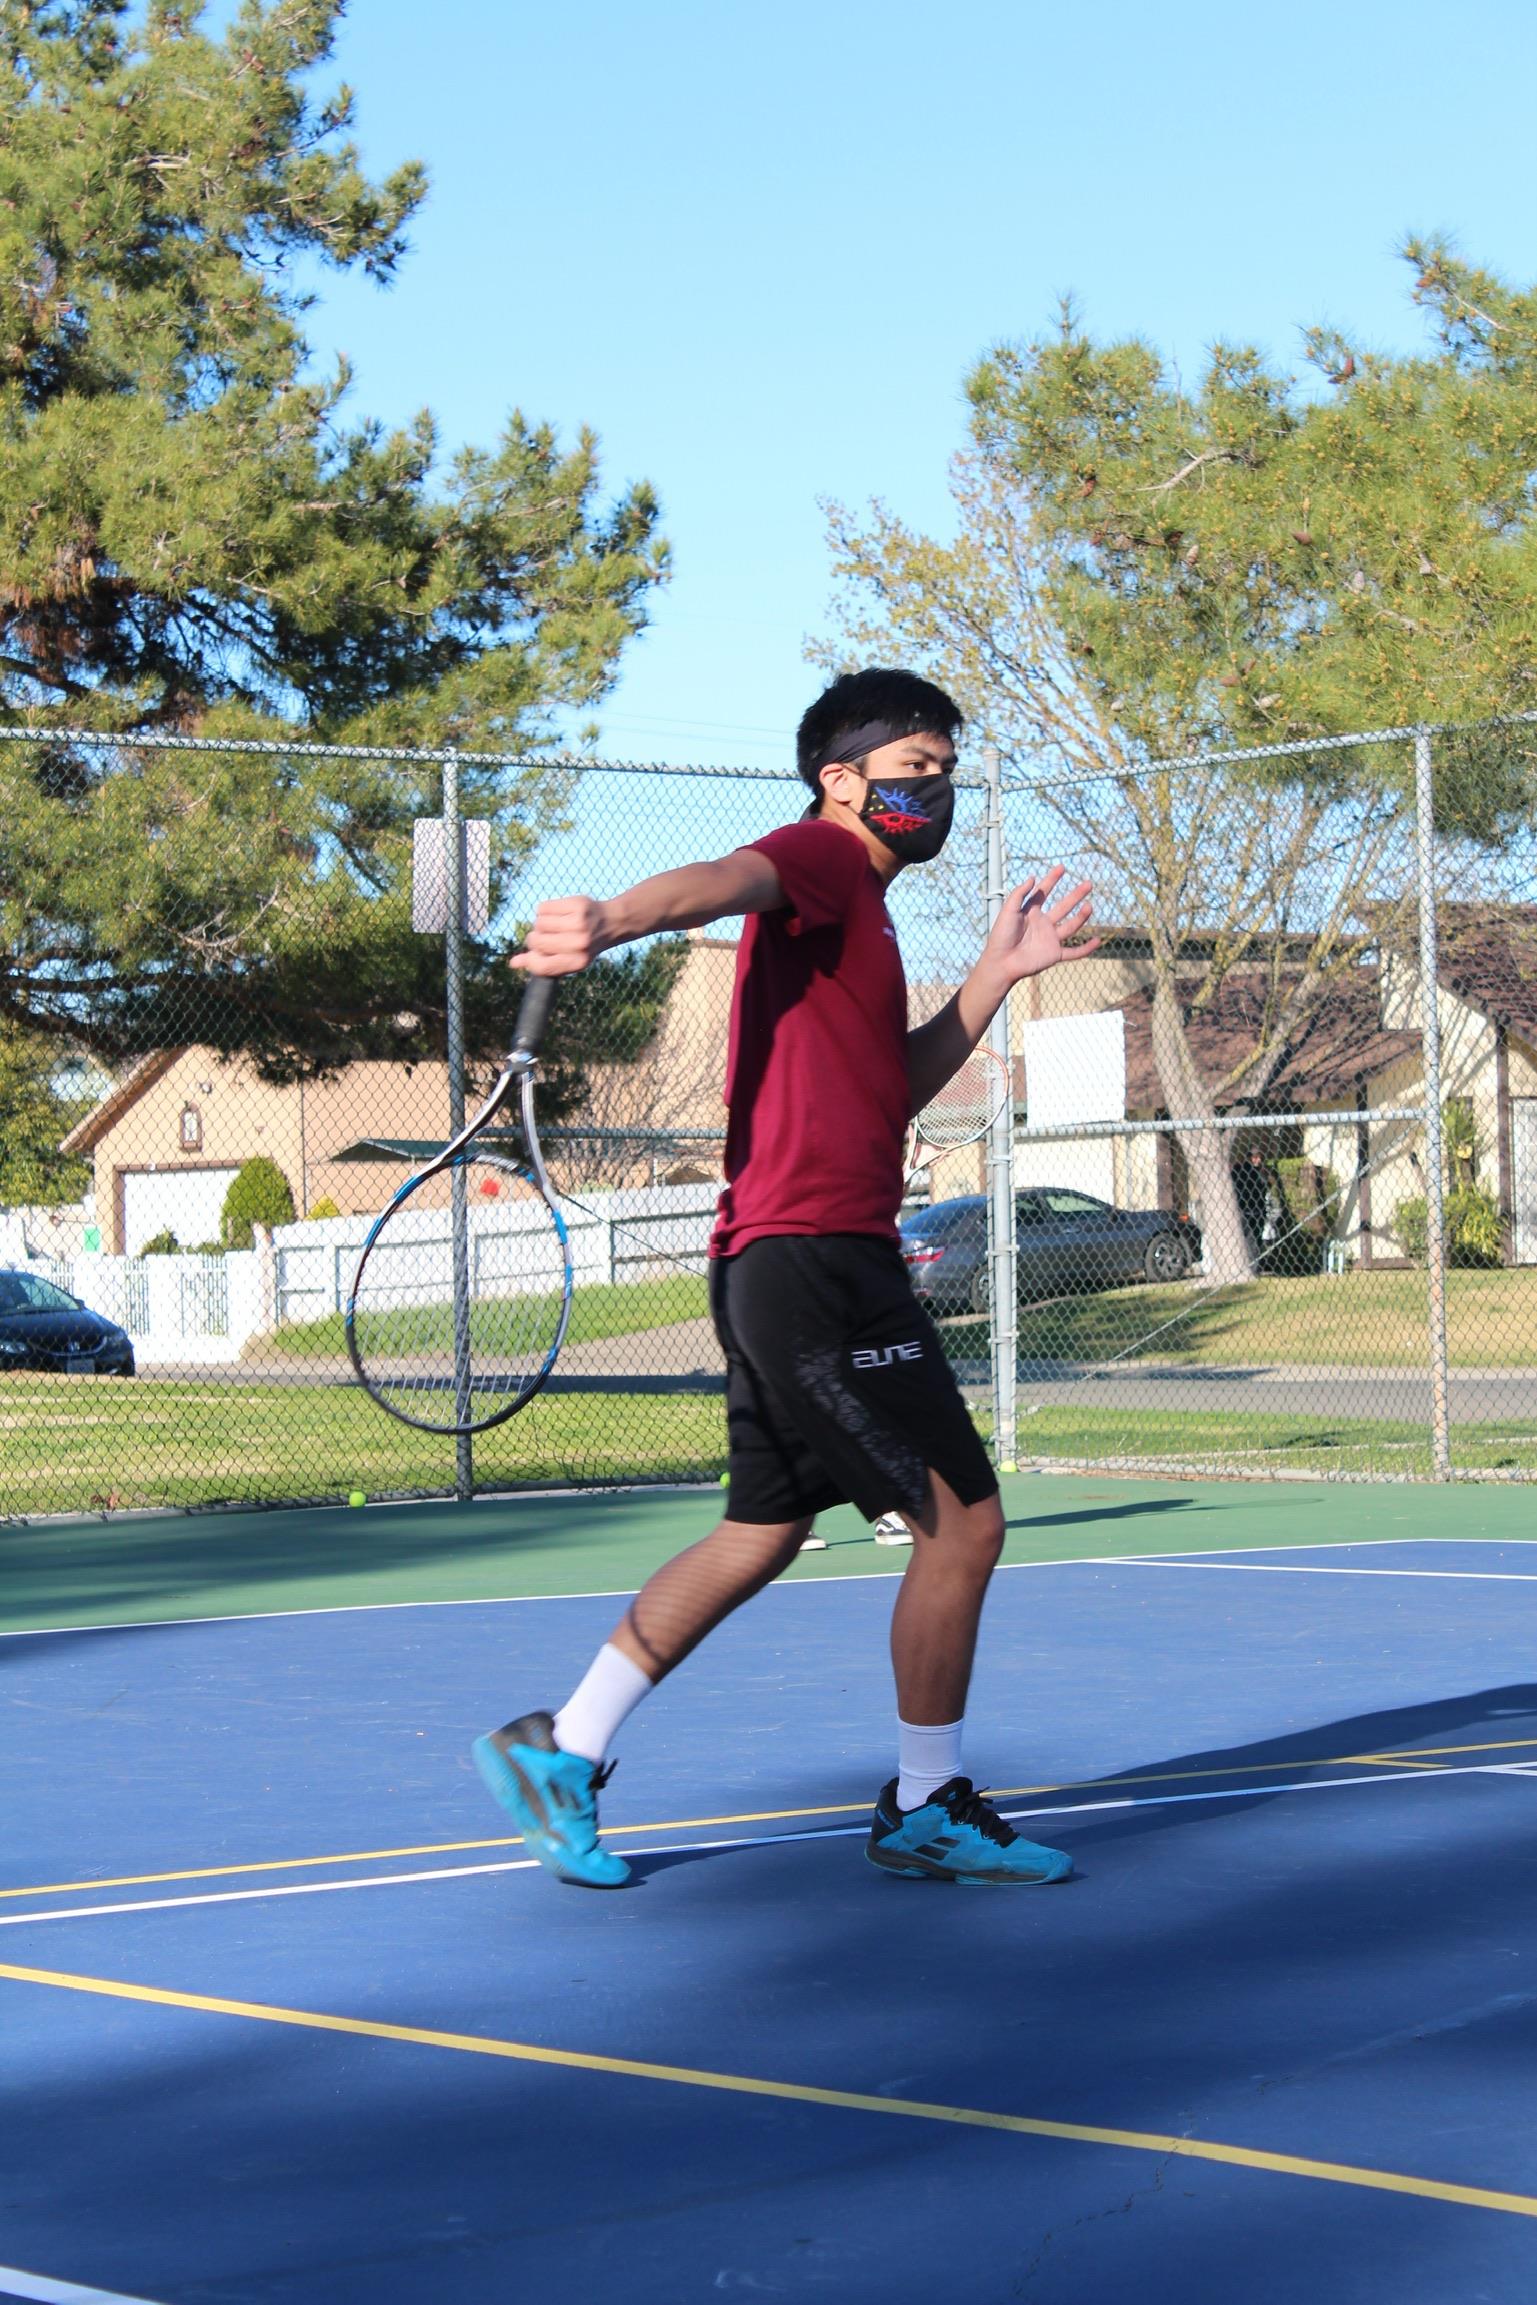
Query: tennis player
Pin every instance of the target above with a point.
(836, 1385)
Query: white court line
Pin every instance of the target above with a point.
(509, 1600)
(1304, 1569)
(740, 1841)
(15, 2283)
(780, 1584)
(1325, 1545)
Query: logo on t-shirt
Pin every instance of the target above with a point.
(873, 1357)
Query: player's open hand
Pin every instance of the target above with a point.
(568, 934)
(1037, 928)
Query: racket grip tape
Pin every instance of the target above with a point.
(533, 1015)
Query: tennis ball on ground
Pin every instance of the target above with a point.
(357, 1498)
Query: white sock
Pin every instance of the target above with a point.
(929, 1758)
(600, 1704)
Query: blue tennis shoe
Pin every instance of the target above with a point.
(554, 1798)
(958, 1836)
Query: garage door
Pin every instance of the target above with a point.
(186, 1202)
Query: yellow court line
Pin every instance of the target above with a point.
(1494, 1745)
(1401, 1761)
(748, 1817)
(796, 2092)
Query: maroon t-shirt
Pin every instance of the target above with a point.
(816, 1078)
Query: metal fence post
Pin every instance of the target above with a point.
(453, 1002)
(1435, 1182)
(1002, 1258)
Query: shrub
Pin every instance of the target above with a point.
(325, 1207)
(161, 1244)
(1473, 1239)
(259, 1195)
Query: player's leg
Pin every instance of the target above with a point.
(854, 1371)
(547, 1768)
(698, 1589)
(939, 1603)
(930, 1822)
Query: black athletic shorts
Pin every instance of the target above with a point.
(837, 1387)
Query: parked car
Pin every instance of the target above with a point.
(42, 1327)
(1067, 1243)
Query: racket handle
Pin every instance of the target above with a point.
(533, 1015)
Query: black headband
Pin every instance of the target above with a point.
(854, 743)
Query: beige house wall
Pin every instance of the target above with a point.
(1469, 1069)
(238, 1116)
(677, 1085)
(1103, 981)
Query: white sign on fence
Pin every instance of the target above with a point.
(1075, 1068)
(429, 876)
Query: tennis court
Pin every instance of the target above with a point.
(287, 2019)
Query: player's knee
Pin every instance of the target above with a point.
(985, 1531)
(772, 1546)
(790, 1544)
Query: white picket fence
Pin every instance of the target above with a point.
(194, 1309)
(202, 1311)
(616, 1236)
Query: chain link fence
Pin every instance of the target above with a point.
(1271, 1161)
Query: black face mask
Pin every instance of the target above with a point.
(910, 815)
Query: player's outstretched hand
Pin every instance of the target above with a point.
(568, 934)
(1033, 933)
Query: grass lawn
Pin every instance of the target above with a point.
(83, 1444)
(1369, 1320)
(598, 1309)
(1265, 1443)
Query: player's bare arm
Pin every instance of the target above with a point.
(569, 932)
(1031, 934)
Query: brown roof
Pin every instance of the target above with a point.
(1489, 958)
(1341, 1043)
(116, 1102)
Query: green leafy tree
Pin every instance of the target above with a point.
(1141, 569)
(197, 538)
(33, 1119)
(259, 1194)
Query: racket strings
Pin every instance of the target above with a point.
(965, 1108)
(450, 1357)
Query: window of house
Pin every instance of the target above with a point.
(191, 1129)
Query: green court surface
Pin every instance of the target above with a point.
(141, 1568)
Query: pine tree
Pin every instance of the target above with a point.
(198, 538)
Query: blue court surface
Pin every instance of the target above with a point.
(286, 2020)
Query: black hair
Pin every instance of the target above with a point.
(906, 704)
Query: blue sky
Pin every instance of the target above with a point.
(757, 249)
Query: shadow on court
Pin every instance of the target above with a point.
(239, 1562)
(1339, 1976)
(1144, 1508)
(1504, 1719)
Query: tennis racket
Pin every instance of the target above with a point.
(461, 1297)
(962, 1112)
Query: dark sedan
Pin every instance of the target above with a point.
(42, 1327)
(1068, 1243)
